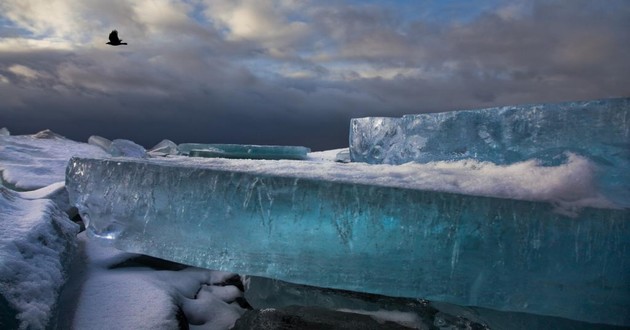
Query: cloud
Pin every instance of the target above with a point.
(277, 71)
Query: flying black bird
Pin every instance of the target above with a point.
(113, 39)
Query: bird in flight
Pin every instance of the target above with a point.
(113, 39)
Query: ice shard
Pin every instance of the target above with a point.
(165, 147)
(126, 148)
(335, 230)
(598, 129)
(100, 142)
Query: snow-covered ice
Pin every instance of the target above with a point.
(37, 242)
(35, 161)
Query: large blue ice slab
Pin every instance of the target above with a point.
(503, 254)
(599, 130)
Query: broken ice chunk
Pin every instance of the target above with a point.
(100, 141)
(126, 148)
(598, 130)
(244, 151)
(165, 147)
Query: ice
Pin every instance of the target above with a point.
(30, 162)
(118, 147)
(598, 130)
(265, 293)
(4, 132)
(243, 151)
(37, 243)
(467, 232)
(165, 147)
(313, 318)
(126, 148)
(100, 142)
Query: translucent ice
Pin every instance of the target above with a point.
(244, 151)
(379, 229)
(4, 131)
(126, 148)
(100, 142)
(165, 147)
(598, 130)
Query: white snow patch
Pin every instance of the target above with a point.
(30, 162)
(143, 298)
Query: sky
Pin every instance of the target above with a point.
(293, 72)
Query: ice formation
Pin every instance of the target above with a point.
(165, 147)
(126, 148)
(100, 142)
(598, 130)
(552, 246)
(37, 242)
(243, 151)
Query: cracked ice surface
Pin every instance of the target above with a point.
(469, 233)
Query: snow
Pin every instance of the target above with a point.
(36, 239)
(30, 162)
(137, 297)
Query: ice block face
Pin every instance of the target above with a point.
(504, 254)
(599, 130)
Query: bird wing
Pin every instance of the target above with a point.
(113, 36)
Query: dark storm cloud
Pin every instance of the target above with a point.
(291, 72)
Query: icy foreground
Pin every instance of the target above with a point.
(598, 130)
(558, 250)
(35, 161)
(37, 242)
